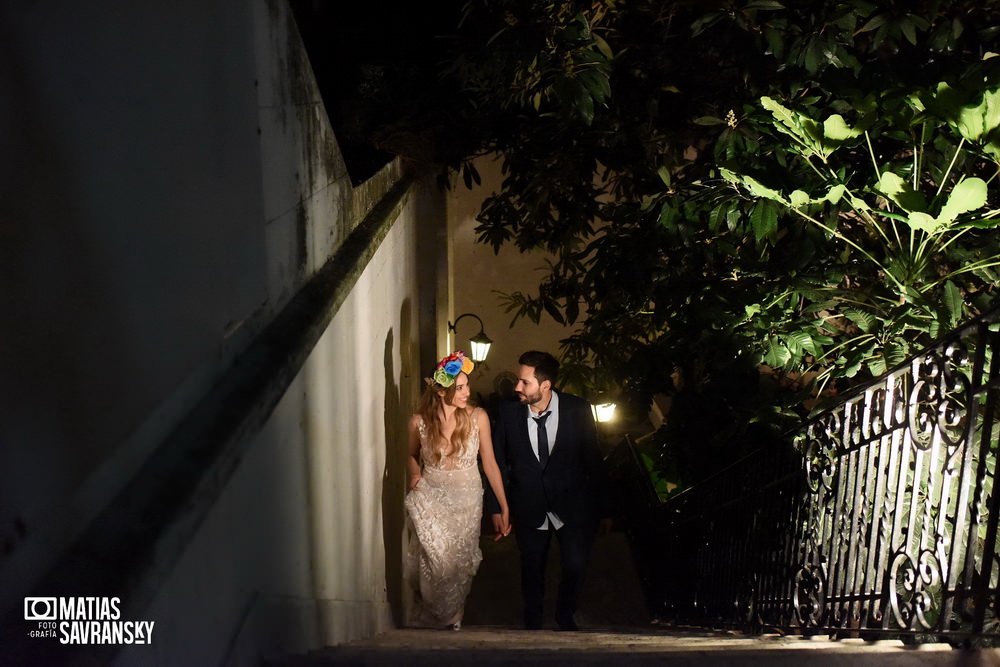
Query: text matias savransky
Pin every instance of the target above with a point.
(85, 620)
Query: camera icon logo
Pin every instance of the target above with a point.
(40, 609)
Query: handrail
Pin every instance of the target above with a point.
(878, 519)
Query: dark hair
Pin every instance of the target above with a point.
(545, 365)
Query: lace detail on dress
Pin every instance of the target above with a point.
(444, 517)
(459, 461)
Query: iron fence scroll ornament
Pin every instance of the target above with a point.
(915, 595)
(886, 523)
(809, 595)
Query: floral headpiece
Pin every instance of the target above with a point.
(449, 368)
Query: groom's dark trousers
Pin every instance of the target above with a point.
(574, 549)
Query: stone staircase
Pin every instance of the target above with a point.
(616, 630)
(489, 645)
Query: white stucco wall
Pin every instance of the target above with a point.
(296, 550)
(170, 181)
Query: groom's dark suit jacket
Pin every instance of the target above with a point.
(574, 483)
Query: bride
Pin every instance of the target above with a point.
(444, 503)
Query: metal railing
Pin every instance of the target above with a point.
(875, 518)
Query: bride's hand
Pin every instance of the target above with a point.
(414, 480)
(501, 525)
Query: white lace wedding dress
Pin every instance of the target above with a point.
(444, 514)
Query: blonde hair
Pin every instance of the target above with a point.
(430, 408)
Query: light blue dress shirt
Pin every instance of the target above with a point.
(551, 428)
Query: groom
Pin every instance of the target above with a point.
(546, 446)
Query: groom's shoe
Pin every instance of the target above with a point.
(567, 624)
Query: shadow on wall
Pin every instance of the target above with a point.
(394, 475)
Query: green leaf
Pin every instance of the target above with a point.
(873, 23)
(935, 329)
(880, 35)
(792, 343)
(776, 354)
(596, 84)
(803, 129)
(858, 203)
(603, 47)
(975, 122)
(877, 365)
(909, 30)
(991, 111)
(865, 321)
(804, 341)
(852, 367)
(775, 41)
(967, 196)
(733, 218)
(716, 216)
(953, 302)
(836, 193)
(896, 352)
(821, 340)
(814, 56)
(900, 192)
(911, 294)
(668, 215)
(763, 220)
(987, 220)
(664, 175)
(923, 221)
(837, 129)
(755, 187)
(970, 124)
(730, 175)
(798, 199)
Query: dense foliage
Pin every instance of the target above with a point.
(751, 203)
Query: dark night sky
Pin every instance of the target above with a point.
(343, 38)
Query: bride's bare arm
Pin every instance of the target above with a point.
(492, 471)
(413, 447)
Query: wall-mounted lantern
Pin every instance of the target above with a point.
(603, 412)
(480, 343)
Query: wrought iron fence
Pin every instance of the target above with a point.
(876, 518)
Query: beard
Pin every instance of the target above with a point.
(529, 399)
